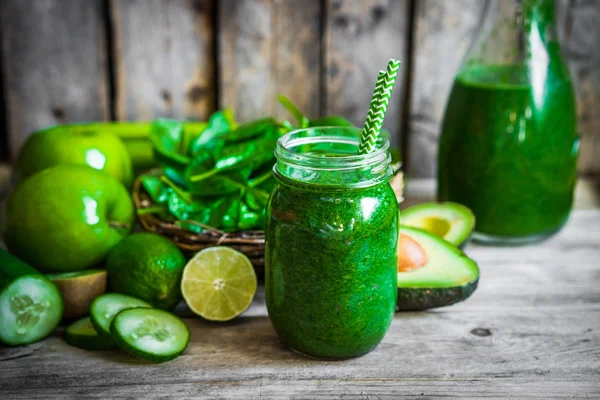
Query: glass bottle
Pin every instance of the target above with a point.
(331, 244)
(508, 147)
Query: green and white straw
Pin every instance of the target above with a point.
(378, 107)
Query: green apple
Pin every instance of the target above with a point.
(67, 218)
(75, 144)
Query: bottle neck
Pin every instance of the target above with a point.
(510, 30)
(540, 19)
(516, 13)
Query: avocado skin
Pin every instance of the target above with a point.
(413, 299)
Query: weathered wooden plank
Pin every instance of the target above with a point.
(523, 348)
(360, 38)
(269, 47)
(346, 388)
(297, 54)
(532, 330)
(580, 34)
(444, 31)
(54, 64)
(5, 186)
(4, 150)
(164, 59)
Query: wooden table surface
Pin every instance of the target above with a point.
(531, 330)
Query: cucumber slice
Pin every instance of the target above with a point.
(151, 334)
(82, 334)
(106, 306)
(30, 304)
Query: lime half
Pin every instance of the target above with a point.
(219, 283)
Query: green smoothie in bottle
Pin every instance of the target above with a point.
(508, 148)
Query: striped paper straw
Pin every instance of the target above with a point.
(378, 107)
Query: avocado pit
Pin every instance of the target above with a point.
(411, 255)
(432, 272)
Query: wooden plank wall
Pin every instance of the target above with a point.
(54, 64)
(163, 59)
(73, 60)
(269, 47)
(360, 38)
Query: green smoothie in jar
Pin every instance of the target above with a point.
(332, 233)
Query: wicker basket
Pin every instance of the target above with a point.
(251, 243)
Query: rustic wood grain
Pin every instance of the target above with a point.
(580, 31)
(444, 31)
(164, 59)
(269, 47)
(531, 330)
(360, 38)
(54, 64)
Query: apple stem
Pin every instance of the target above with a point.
(118, 225)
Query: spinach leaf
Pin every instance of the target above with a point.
(217, 185)
(181, 193)
(248, 154)
(288, 125)
(183, 209)
(250, 130)
(214, 182)
(232, 216)
(156, 188)
(200, 164)
(221, 213)
(253, 153)
(291, 107)
(260, 175)
(259, 194)
(176, 176)
(219, 124)
(192, 226)
(159, 193)
(166, 136)
(248, 219)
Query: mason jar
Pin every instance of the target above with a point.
(331, 243)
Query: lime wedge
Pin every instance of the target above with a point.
(219, 283)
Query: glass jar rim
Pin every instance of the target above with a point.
(298, 137)
(328, 157)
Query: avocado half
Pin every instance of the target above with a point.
(452, 222)
(431, 272)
